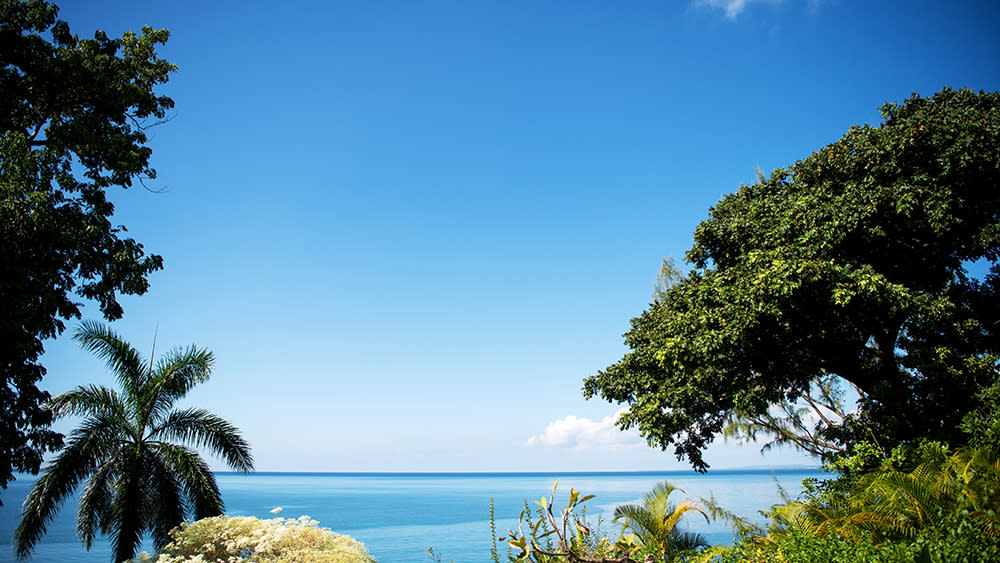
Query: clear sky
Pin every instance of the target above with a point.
(409, 230)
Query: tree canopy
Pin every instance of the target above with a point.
(853, 262)
(73, 119)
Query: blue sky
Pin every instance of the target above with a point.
(409, 230)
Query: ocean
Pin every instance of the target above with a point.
(398, 516)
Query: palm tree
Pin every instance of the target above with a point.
(654, 523)
(134, 451)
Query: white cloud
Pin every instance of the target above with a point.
(734, 8)
(575, 432)
(582, 441)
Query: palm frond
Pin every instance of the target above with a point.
(127, 509)
(94, 509)
(880, 523)
(175, 374)
(655, 521)
(660, 493)
(689, 541)
(889, 503)
(122, 359)
(72, 465)
(166, 505)
(195, 475)
(201, 428)
(679, 511)
(683, 545)
(797, 515)
(90, 400)
(640, 521)
(905, 495)
(179, 371)
(657, 500)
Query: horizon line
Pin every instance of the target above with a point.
(758, 468)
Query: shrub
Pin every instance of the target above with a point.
(239, 539)
(944, 509)
(798, 547)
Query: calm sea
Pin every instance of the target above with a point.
(398, 516)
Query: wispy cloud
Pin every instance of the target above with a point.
(576, 432)
(573, 435)
(734, 8)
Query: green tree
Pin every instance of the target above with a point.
(134, 451)
(655, 523)
(800, 421)
(73, 120)
(851, 262)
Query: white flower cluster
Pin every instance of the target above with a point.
(245, 539)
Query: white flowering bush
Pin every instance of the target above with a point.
(245, 539)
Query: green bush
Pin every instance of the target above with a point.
(546, 536)
(797, 547)
(239, 539)
(945, 508)
(959, 537)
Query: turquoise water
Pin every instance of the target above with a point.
(398, 516)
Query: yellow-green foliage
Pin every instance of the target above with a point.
(239, 539)
(944, 510)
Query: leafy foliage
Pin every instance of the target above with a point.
(849, 263)
(133, 452)
(566, 537)
(944, 509)
(649, 531)
(797, 547)
(983, 424)
(655, 524)
(238, 539)
(892, 503)
(73, 120)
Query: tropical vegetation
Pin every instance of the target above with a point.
(245, 539)
(846, 305)
(654, 523)
(135, 454)
(864, 261)
(74, 118)
(932, 504)
(650, 531)
(946, 508)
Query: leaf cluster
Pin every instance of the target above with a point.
(943, 509)
(74, 119)
(655, 524)
(650, 531)
(562, 537)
